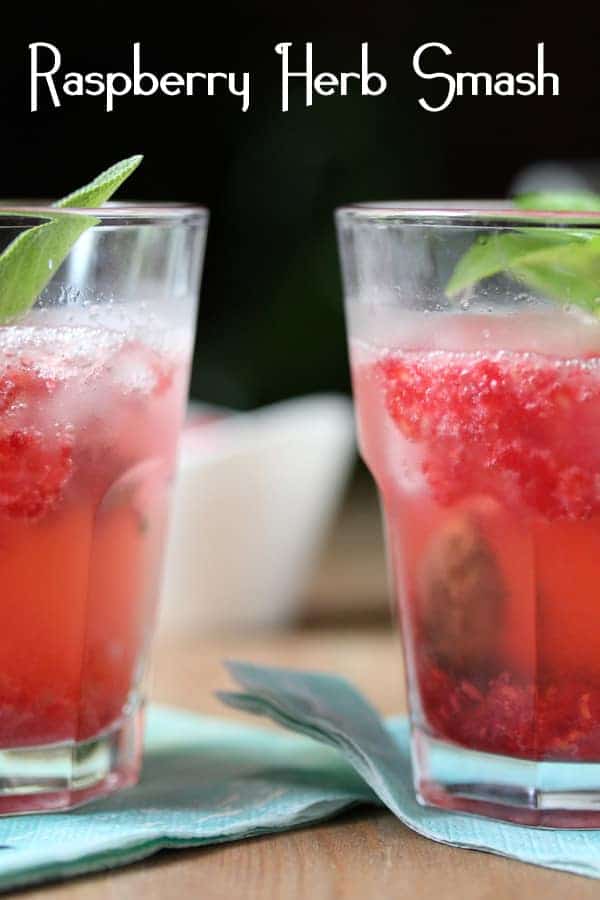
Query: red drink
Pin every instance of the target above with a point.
(88, 425)
(475, 350)
(97, 319)
(488, 465)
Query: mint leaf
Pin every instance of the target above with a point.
(559, 201)
(562, 264)
(30, 261)
(569, 274)
(506, 251)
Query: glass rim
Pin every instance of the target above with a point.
(463, 213)
(111, 213)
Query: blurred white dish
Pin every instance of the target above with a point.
(254, 495)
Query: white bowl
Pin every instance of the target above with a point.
(253, 498)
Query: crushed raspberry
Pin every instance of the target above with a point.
(506, 716)
(34, 466)
(518, 427)
(21, 384)
(33, 472)
(26, 719)
(164, 376)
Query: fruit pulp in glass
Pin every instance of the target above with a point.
(89, 416)
(483, 434)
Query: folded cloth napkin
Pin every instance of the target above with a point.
(208, 781)
(328, 709)
(204, 781)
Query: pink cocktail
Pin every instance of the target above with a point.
(481, 425)
(92, 396)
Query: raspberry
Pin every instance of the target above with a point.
(528, 719)
(33, 472)
(21, 384)
(164, 376)
(34, 466)
(519, 427)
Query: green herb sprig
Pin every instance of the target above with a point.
(32, 259)
(561, 263)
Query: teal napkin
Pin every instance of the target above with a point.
(328, 709)
(204, 781)
(207, 781)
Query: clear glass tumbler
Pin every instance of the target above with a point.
(93, 381)
(475, 352)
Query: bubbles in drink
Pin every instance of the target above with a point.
(90, 407)
(483, 433)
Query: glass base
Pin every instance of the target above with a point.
(549, 794)
(54, 777)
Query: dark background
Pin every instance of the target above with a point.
(271, 323)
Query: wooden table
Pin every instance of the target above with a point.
(360, 855)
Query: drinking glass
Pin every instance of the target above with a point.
(93, 381)
(475, 353)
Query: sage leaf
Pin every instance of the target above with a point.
(30, 261)
(101, 188)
